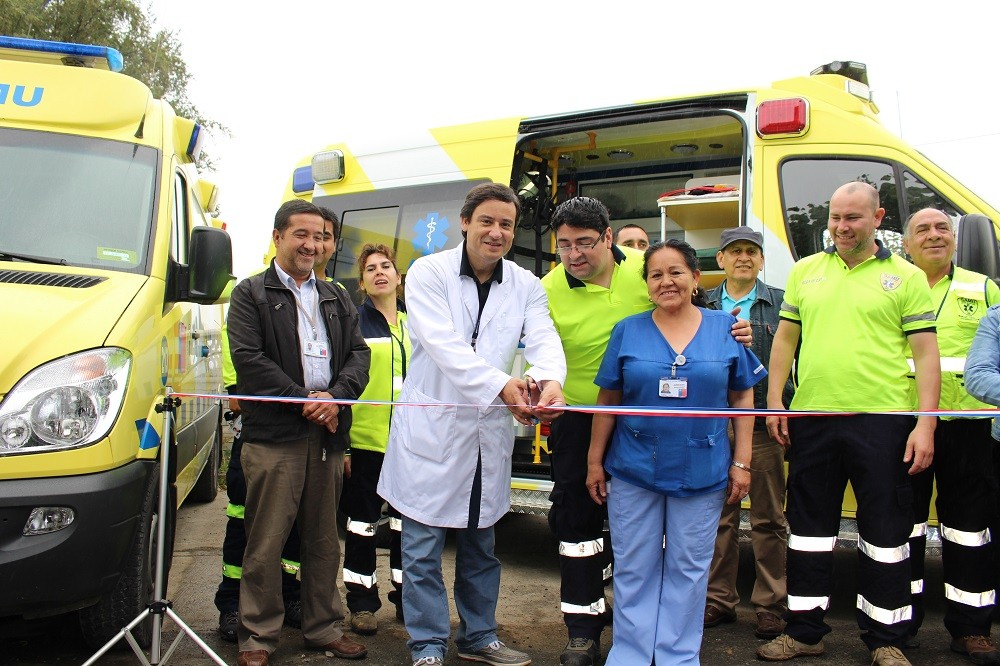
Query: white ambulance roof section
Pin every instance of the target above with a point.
(415, 160)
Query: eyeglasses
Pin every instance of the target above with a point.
(583, 246)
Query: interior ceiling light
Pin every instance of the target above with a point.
(684, 148)
(715, 146)
(593, 156)
(620, 155)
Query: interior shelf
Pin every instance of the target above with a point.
(703, 212)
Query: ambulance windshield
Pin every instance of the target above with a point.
(86, 201)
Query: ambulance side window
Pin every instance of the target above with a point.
(180, 214)
(806, 187)
(920, 195)
(808, 183)
(358, 227)
(424, 225)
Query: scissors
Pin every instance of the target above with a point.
(531, 385)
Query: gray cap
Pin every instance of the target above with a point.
(740, 233)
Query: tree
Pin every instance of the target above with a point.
(151, 56)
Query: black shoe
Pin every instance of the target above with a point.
(581, 652)
(293, 614)
(228, 622)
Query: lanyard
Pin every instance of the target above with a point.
(400, 341)
(310, 318)
(482, 305)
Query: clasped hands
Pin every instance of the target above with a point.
(325, 414)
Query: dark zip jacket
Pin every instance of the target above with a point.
(264, 343)
(763, 317)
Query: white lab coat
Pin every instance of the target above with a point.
(430, 461)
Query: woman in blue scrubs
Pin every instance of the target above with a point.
(665, 478)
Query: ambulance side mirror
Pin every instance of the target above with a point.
(977, 248)
(210, 265)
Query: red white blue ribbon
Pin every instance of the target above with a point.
(617, 410)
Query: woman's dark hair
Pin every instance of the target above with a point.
(698, 297)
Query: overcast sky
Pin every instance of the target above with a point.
(290, 79)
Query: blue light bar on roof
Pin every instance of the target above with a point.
(302, 180)
(196, 143)
(85, 54)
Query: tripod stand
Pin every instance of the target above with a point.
(160, 606)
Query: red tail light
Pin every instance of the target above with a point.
(782, 116)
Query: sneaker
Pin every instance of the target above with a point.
(228, 622)
(498, 654)
(428, 661)
(581, 652)
(979, 649)
(364, 623)
(293, 614)
(784, 647)
(889, 655)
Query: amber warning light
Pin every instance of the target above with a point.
(782, 116)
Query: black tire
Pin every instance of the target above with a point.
(206, 488)
(133, 591)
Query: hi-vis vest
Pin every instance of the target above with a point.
(958, 313)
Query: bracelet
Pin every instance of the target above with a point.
(745, 468)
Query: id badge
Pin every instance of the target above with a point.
(673, 388)
(317, 348)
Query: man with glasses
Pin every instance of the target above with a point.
(596, 285)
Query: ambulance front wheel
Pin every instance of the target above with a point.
(133, 591)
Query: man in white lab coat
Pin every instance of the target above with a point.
(448, 465)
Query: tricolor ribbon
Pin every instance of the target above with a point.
(617, 410)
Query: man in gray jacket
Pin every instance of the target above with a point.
(741, 256)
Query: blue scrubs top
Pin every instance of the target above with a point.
(675, 456)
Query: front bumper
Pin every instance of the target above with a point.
(70, 569)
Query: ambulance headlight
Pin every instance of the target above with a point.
(64, 414)
(65, 404)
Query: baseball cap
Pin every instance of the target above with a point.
(740, 233)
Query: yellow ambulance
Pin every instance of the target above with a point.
(687, 167)
(111, 275)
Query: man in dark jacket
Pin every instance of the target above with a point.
(741, 256)
(292, 335)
